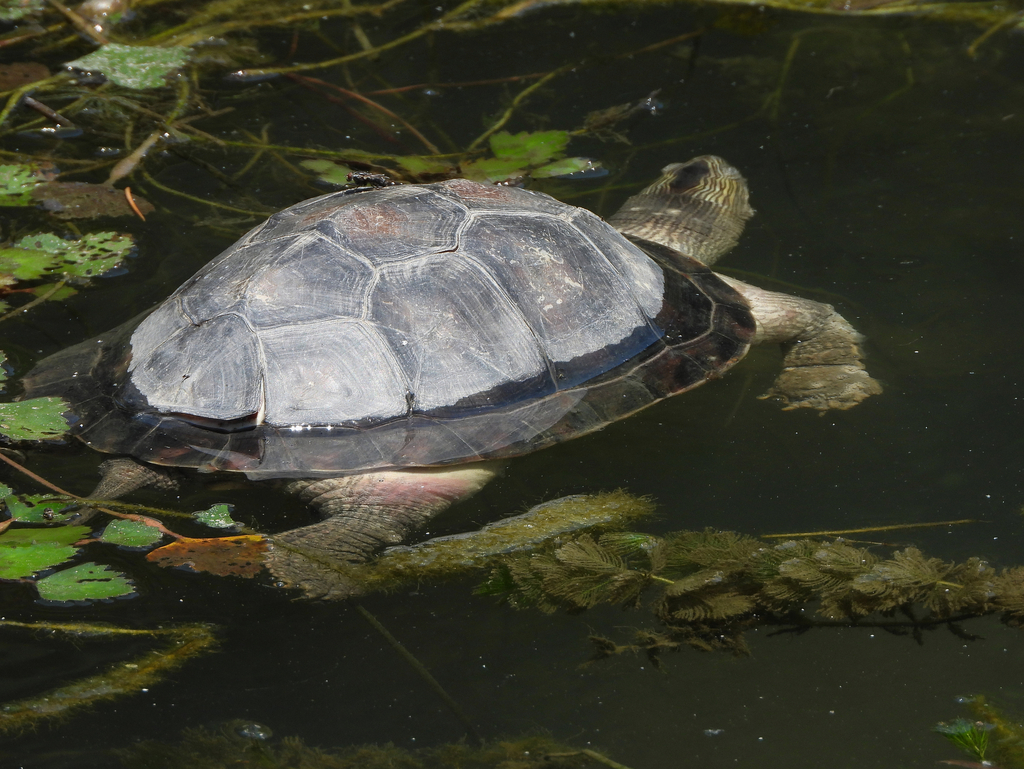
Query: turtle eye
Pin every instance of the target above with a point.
(686, 176)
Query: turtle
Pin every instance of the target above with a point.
(388, 347)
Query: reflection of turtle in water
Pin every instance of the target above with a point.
(378, 343)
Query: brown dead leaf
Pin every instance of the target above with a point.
(79, 200)
(241, 556)
(21, 73)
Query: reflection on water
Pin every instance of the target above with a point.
(883, 164)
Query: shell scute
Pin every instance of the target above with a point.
(458, 335)
(213, 370)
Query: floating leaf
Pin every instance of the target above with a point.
(424, 165)
(569, 167)
(529, 148)
(46, 290)
(535, 154)
(134, 66)
(38, 419)
(80, 200)
(41, 508)
(21, 73)
(494, 169)
(34, 256)
(130, 534)
(328, 172)
(26, 551)
(3, 368)
(217, 516)
(18, 180)
(12, 10)
(87, 582)
(241, 556)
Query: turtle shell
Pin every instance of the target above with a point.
(413, 325)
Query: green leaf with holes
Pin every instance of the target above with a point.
(424, 165)
(41, 508)
(134, 66)
(494, 169)
(38, 419)
(130, 534)
(217, 516)
(36, 256)
(87, 582)
(529, 148)
(12, 10)
(328, 172)
(26, 551)
(565, 167)
(17, 180)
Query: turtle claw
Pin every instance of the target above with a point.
(823, 387)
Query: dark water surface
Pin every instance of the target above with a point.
(886, 176)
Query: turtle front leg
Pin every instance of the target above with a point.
(823, 366)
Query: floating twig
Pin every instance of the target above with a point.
(431, 148)
(519, 99)
(83, 26)
(131, 202)
(38, 300)
(870, 529)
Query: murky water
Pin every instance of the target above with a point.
(884, 165)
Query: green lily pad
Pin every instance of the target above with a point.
(328, 172)
(12, 10)
(38, 419)
(87, 582)
(527, 148)
(59, 295)
(421, 165)
(565, 167)
(130, 534)
(494, 169)
(34, 256)
(134, 66)
(17, 180)
(217, 516)
(26, 551)
(41, 508)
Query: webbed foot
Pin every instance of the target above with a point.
(825, 370)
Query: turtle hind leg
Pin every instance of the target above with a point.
(363, 514)
(122, 476)
(823, 363)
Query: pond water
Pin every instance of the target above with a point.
(884, 164)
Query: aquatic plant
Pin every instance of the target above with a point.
(179, 644)
(1000, 732)
(709, 586)
(971, 736)
(242, 744)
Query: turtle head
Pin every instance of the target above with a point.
(697, 208)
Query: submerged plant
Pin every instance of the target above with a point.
(709, 586)
(971, 736)
(1002, 733)
(128, 677)
(243, 744)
